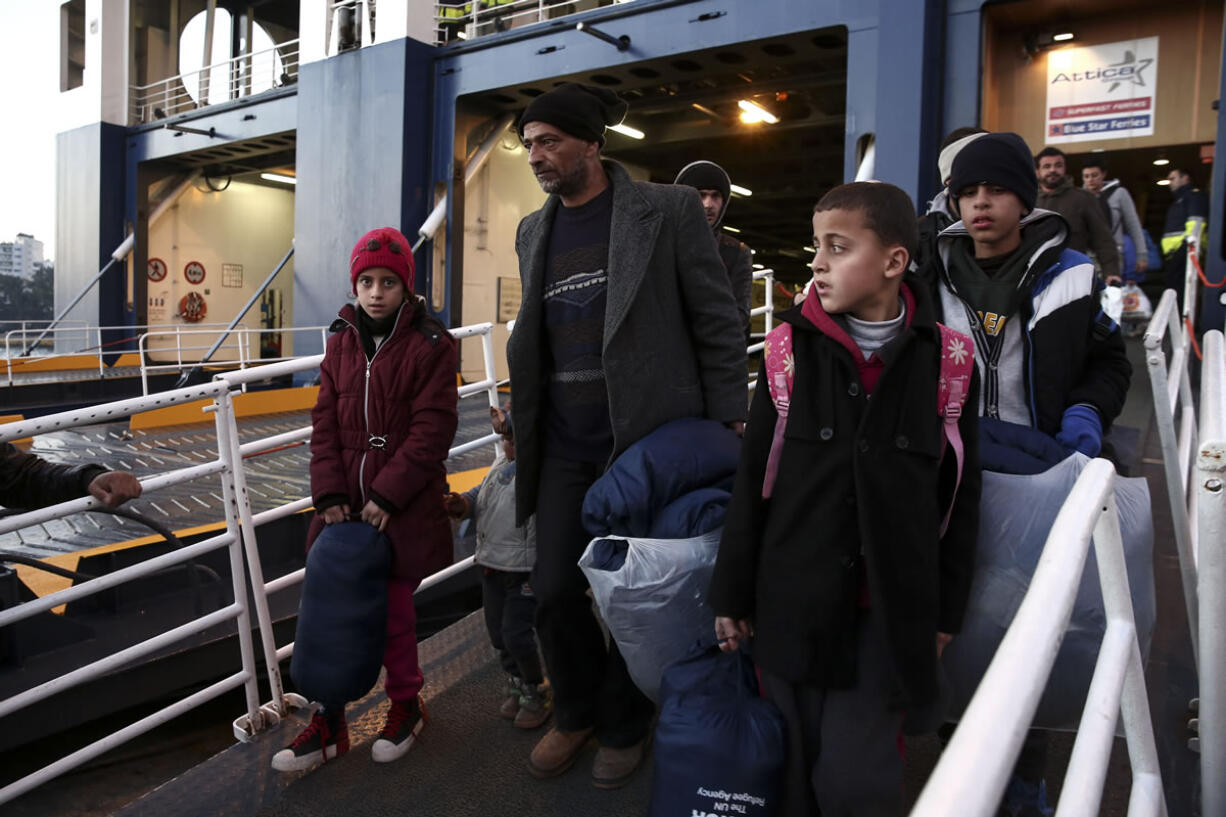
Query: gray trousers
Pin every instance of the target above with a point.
(843, 753)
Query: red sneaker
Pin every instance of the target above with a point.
(325, 738)
(404, 723)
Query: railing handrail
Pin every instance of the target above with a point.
(976, 765)
(280, 49)
(1210, 495)
(1171, 387)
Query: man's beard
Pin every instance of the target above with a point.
(568, 183)
(1053, 180)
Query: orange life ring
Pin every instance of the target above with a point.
(192, 307)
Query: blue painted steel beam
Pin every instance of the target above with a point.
(250, 118)
(1212, 310)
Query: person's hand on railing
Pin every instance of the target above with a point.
(113, 488)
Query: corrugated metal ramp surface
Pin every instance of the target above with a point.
(469, 761)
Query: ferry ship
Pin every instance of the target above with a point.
(220, 159)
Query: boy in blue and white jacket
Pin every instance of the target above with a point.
(507, 553)
(1048, 357)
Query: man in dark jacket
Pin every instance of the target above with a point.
(1088, 230)
(1185, 222)
(626, 323)
(715, 188)
(27, 481)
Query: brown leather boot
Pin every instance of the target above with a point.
(556, 752)
(613, 768)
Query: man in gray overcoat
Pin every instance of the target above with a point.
(627, 322)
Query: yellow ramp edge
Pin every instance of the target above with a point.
(16, 418)
(250, 404)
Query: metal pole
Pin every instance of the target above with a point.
(474, 164)
(235, 503)
(255, 297)
(1211, 576)
(1165, 321)
(69, 308)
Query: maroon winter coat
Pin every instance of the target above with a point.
(405, 393)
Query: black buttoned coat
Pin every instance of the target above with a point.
(673, 341)
(860, 493)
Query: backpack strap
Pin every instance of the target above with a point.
(780, 369)
(953, 386)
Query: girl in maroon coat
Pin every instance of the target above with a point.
(382, 426)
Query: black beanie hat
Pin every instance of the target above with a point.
(997, 158)
(705, 175)
(582, 111)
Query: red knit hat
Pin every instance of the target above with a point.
(382, 247)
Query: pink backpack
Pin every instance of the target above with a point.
(957, 360)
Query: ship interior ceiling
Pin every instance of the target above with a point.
(689, 107)
(245, 159)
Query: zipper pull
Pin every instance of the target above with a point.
(368, 369)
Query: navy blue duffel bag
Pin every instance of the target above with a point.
(342, 615)
(719, 746)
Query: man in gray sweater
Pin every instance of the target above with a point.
(1119, 209)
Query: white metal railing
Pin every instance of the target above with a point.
(975, 767)
(466, 20)
(239, 538)
(767, 310)
(1172, 395)
(238, 77)
(238, 342)
(80, 340)
(1211, 575)
(30, 327)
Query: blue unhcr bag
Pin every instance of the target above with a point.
(342, 615)
(719, 746)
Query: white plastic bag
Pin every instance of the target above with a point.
(1016, 514)
(653, 602)
(1112, 301)
(1136, 304)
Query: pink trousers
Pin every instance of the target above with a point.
(404, 679)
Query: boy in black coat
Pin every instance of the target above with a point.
(842, 576)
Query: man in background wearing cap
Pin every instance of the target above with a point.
(1088, 229)
(626, 323)
(1053, 367)
(714, 188)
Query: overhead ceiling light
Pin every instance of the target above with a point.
(808, 249)
(1164, 182)
(753, 112)
(731, 229)
(758, 266)
(1161, 162)
(1062, 37)
(626, 130)
(1098, 150)
(278, 177)
(737, 190)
